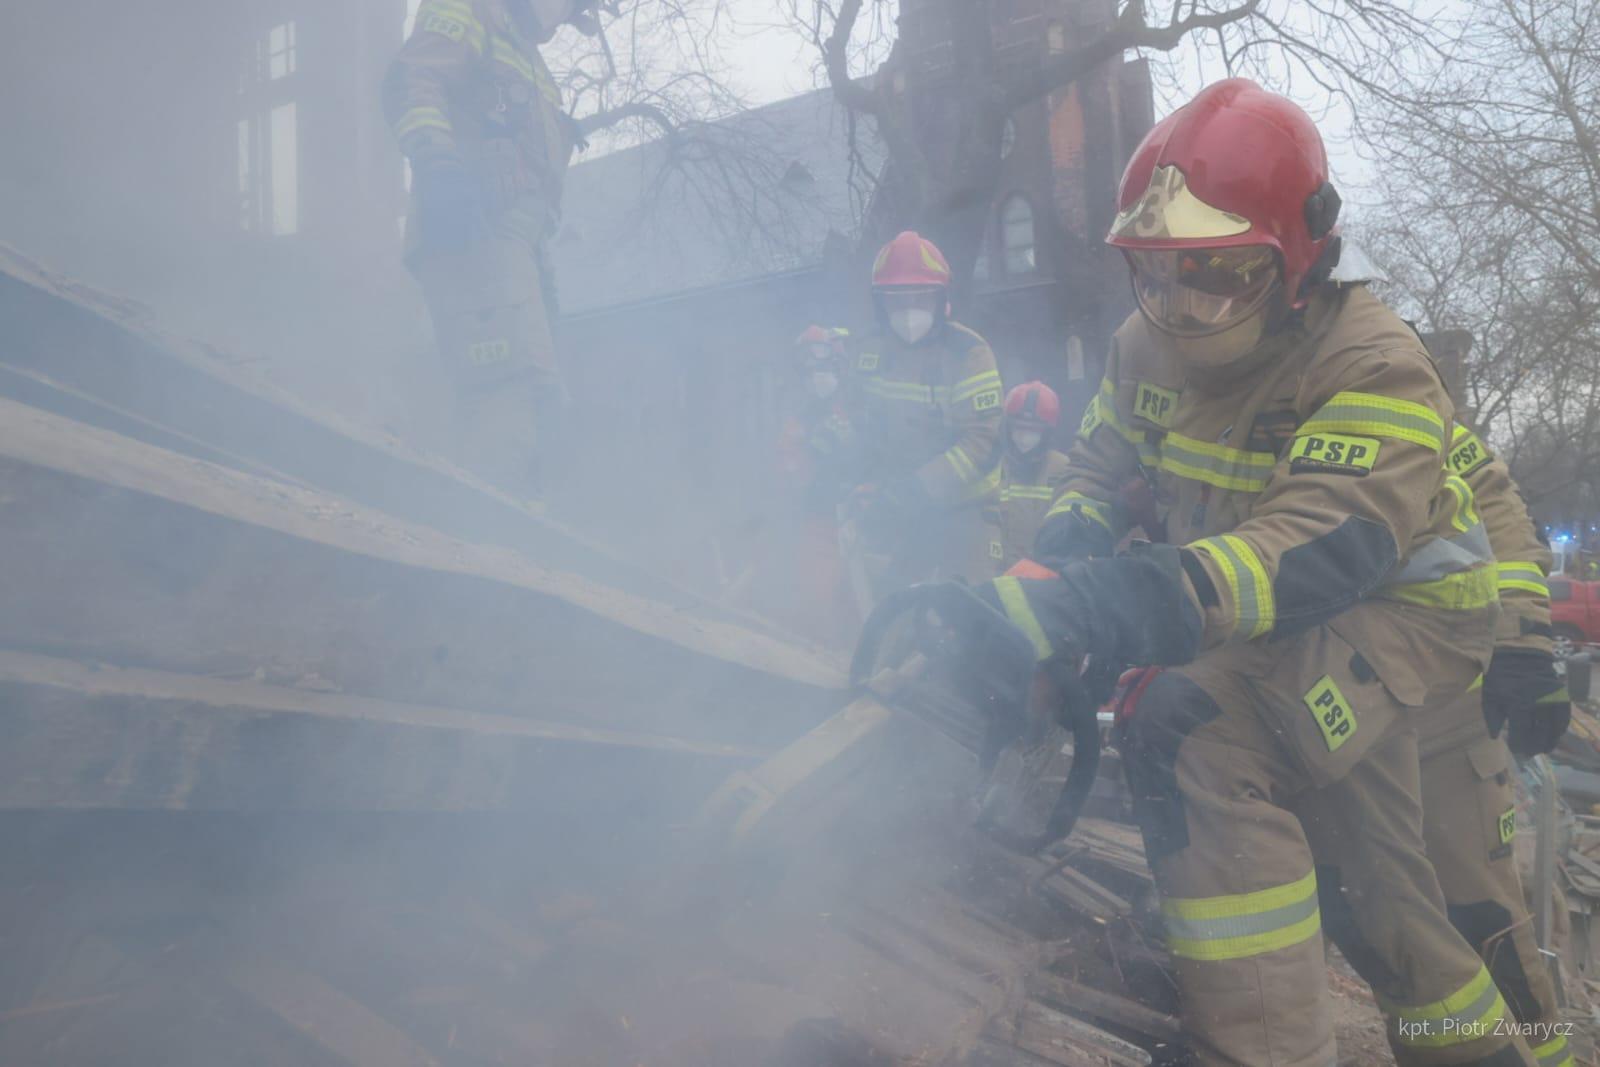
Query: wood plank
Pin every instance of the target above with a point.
(42, 440)
(80, 737)
(336, 1022)
(104, 360)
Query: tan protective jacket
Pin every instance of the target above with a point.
(468, 86)
(1308, 480)
(1015, 502)
(933, 409)
(1522, 562)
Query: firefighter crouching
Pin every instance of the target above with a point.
(477, 113)
(1326, 579)
(929, 400)
(1024, 483)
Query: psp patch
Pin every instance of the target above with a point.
(986, 400)
(868, 361)
(996, 550)
(1331, 711)
(485, 353)
(1469, 455)
(1333, 453)
(443, 25)
(1508, 826)
(1155, 404)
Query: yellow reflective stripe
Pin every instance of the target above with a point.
(961, 463)
(1378, 416)
(1015, 603)
(1469, 1014)
(968, 388)
(983, 487)
(458, 11)
(1025, 492)
(1466, 591)
(892, 390)
(505, 51)
(1553, 1053)
(1087, 506)
(1477, 683)
(1466, 516)
(422, 118)
(1106, 408)
(1523, 575)
(1254, 610)
(1244, 924)
(1217, 465)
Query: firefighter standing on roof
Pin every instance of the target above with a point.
(1326, 580)
(930, 406)
(1027, 479)
(478, 115)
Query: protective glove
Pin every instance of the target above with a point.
(1521, 688)
(1068, 536)
(452, 212)
(892, 510)
(1130, 609)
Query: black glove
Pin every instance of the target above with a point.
(1131, 609)
(452, 212)
(1522, 688)
(893, 509)
(1068, 536)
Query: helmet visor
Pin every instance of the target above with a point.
(1196, 292)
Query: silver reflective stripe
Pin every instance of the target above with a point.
(1264, 922)
(1443, 557)
(1468, 1024)
(1250, 474)
(1553, 1053)
(1355, 411)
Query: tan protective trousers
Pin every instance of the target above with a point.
(1218, 755)
(1468, 820)
(492, 325)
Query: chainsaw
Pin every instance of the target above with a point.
(979, 681)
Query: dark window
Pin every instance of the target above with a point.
(1560, 590)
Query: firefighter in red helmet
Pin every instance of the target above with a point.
(1324, 577)
(1027, 477)
(930, 399)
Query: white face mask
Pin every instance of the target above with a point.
(911, 324)
(1025, 441)
(823, 383)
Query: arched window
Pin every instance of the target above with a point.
(1016, 235)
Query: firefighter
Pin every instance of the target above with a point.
(1024, 484)
(1468, 796)
(478, 115)
(816, 456)
(929, 410)
(1325, 579)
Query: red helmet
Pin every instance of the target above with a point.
(821, 342)
(1237, 168)
(1034, 400)
(910, 261)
